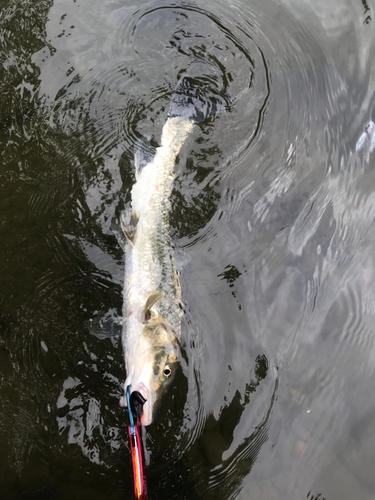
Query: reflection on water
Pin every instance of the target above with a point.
(272, 221)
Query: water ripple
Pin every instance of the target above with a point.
(273, 210)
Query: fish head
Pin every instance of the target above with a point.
(152, 365)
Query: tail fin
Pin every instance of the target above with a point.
(190, 104)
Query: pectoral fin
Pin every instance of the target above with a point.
(129, 221)
(151, 301)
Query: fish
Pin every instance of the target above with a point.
(152, 307)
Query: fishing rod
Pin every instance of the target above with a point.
(135, 441)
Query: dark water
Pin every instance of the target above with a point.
(272, 221)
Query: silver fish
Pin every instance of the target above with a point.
(152, 308)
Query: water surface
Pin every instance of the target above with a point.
(272, 222)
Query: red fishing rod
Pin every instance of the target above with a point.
(136, 448)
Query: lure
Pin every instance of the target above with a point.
(134, 428)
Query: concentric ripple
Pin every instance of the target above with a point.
(272, 222)
(126, 96)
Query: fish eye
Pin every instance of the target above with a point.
(167, 371)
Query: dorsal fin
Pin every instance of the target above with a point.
(151, 300)
(129, 221)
